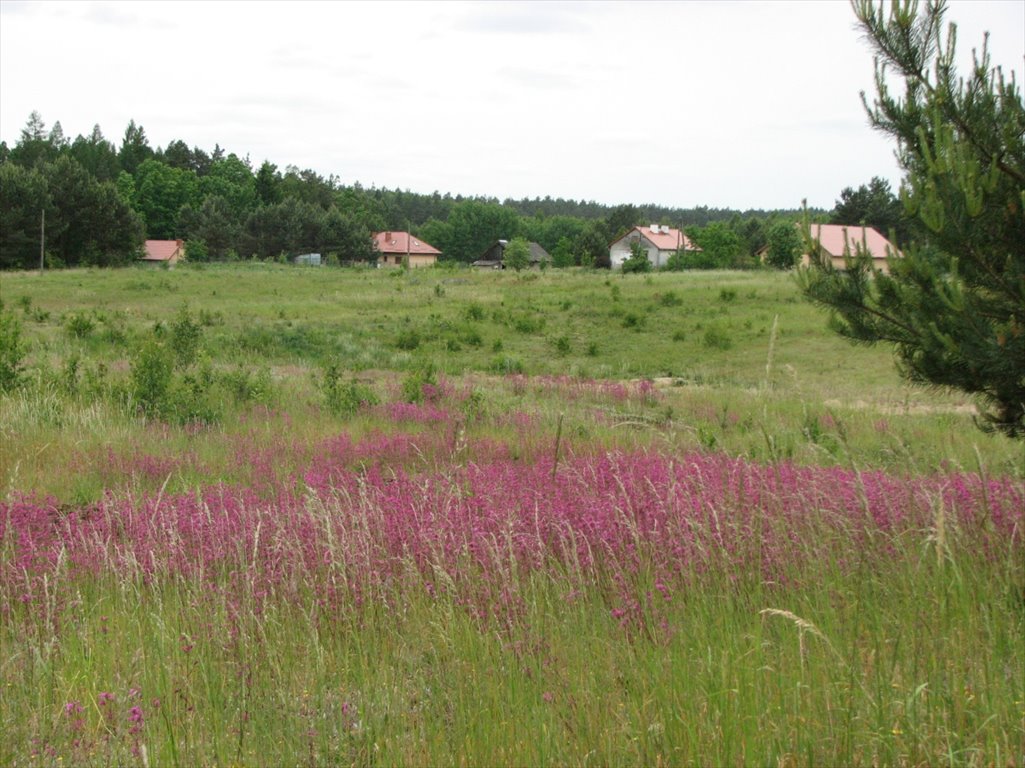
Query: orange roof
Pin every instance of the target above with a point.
(664, 238)
(835, 238)
(401, 242)
(163, 250)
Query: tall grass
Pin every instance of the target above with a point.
(634, 608)
(560, 528)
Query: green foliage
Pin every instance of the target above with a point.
(517, 254)
(633, 320)
(161, 192)
(621, 220)
(419, 382)
(196, 251)
(152, 371)
(506, 365)
(344, 398)
(87, 222)
(79, 325)
(717, 338)
(245, 386)
(721, 248)
(592, 247)
(186, 334)
(954, 306)
(562, 253)
(637, 261)
(873, 205)
(784, 245)
(12, 350)
(408, 340)
(677, 261)
(471, 227)
(528, 323)
(135, 148)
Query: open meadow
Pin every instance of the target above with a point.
(258, 514)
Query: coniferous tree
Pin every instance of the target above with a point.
(954, 305)
(97, 155)
(135, 148)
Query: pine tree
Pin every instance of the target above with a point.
(953, 305)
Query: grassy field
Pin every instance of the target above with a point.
(266, 515)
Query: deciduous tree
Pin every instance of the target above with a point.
(784, 245)
(517, 254)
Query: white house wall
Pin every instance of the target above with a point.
(620, 251)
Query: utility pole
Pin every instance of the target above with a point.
(409, 236)
(42, 241)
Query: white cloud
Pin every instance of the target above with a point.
(742, 104)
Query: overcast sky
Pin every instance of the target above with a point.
(726, 104)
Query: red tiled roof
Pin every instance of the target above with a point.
(832, 238)
(396, 242)
(163, 250)
(665, 239)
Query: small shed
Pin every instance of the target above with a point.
(168, 252)
(308, 259)
(494, 256)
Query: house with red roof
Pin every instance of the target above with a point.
(168, 252)
(835, 241)
(396, 247)
(659, 241)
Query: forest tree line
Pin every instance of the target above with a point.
(98, 202)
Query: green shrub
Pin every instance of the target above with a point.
(670, 299)
(244, 386)
(78, 325)
(344, 398)
(506, 365)
(70, 375)
(152, 374)
(185, 337)
(12, 351)
(421, 377)
(727, 295)
(637, 262)
(527, 324)
(717, 338)
(192, 400)
(562, 345)
(208, 318)
(196, 251)
(633, 320)
(408, 340)
(474, 312)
